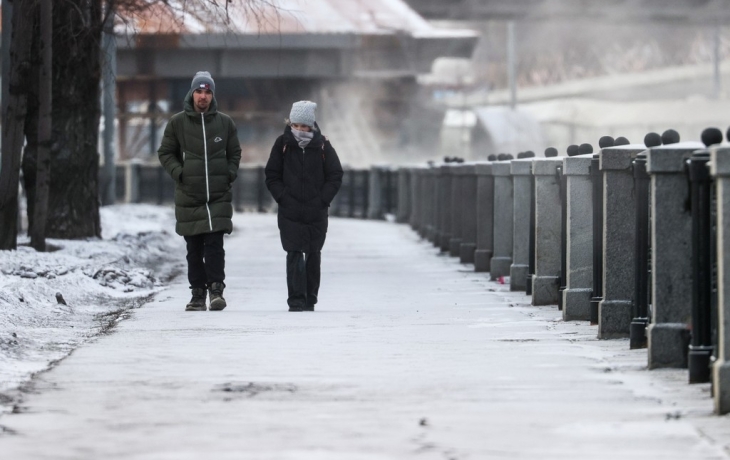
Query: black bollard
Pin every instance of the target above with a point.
(621, 141)
(531, 239)
(551, 152)
(585, 149)
(572, 150)
(528, 154)
(640, 308)
(701, 347)
(492, 157)
(597, 179)
(350, 175)
(563, 276)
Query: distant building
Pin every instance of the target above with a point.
(359, 60)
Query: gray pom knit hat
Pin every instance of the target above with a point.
(302, 113)
(203, 80)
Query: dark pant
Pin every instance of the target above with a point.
(206, 259)
(302, 277)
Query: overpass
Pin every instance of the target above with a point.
(618, 11)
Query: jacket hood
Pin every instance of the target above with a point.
(190, 110)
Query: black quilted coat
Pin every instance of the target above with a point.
(303, 182)
(201, 152)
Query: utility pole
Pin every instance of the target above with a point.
(716, 59)
(511, 64)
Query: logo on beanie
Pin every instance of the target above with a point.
(204, 86)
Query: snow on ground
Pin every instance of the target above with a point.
(98, 279)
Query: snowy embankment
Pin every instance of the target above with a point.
(52, 302)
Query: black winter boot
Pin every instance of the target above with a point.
(217, 302)
(197, 303)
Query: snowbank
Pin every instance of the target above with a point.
(52, 302)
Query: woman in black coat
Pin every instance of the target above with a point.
(303, 175)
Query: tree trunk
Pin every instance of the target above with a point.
(30, 151)
(14, 121)
(38, 233)
(73, 205)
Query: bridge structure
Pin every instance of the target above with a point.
(702, 12)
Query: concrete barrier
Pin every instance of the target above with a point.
(671, 241)
(619, 217)
(503, 220)
(579, 238)
(404, 197)
(457, 211)
(445, 217)
(469, 213)
(485, 217)
(521, 171)
(547, 232)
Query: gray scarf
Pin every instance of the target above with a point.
(302, 137)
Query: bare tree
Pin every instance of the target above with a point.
(43, 173)
(73, 186)
(14, 120)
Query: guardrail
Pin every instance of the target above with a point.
(631, 238)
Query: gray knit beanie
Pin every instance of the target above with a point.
(203, 80)
(302, 112)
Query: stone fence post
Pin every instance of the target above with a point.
(619, 218)
(469, 215)
(671, 254)
(375, 193)
(445, 188)
(435, 200)
(503, 220)
(132, 181)
(416, 198)
(579, 233)
(404, 195)
(547, 231)
(485, 217)
(521, 187)
(457, 211)
(430, 194)
(720, 169)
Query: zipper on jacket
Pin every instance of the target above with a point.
(207, 185)
(303, 167)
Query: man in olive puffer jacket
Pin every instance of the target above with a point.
(200, 150)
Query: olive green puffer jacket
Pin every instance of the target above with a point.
(202, 158)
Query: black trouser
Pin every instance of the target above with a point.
(302, 277)
(206, 259)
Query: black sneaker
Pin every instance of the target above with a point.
(197, 303)
(217, 302)
(295, 308)
(308, 307)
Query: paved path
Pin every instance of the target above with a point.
(409, 355)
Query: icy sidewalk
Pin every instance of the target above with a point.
(409, 355)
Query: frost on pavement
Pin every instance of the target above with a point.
(52, 302)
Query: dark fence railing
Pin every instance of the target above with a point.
(450, 204)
